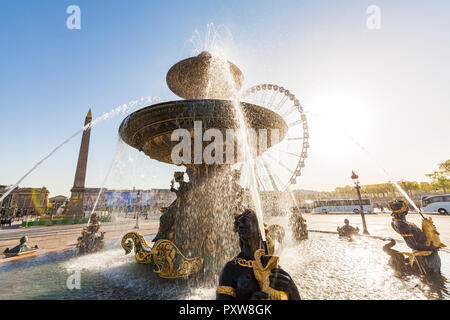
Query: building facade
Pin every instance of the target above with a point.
(24, 201)
(126, 201)
(123, 201)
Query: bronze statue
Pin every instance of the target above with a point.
(425, 243)
(276, 233)
(183, 186)
(298, 225)
(89, 241)
(21, 248)
(167, 219)
(241, 278)
(347, 230)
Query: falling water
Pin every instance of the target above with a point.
(248, 156)
(256, 197)
(120, 148)
(215, 42)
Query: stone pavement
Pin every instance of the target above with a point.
(377, 225)
(62, 237)
(54, 238)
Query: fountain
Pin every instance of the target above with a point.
(23, 248)
(202, 235)
(347, 230)
(90, 241)
(298, 225)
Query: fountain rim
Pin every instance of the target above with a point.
(128, 135)
(182, 101)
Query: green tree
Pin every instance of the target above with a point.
(409, 186)
(445, 167)
(441, 178)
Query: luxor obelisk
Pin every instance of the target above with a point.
(78, 190)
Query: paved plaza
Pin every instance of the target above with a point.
(377, 224)
(57, 238)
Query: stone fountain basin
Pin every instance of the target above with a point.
(150, 129)
(323, 267)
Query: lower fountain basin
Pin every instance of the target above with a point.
(323, 267)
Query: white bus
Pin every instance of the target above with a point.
(439, 203)
(342, 205)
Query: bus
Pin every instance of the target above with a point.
(439, 203)
(342, 205)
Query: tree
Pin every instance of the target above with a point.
(409, 186)
(441, 178)
(445, 167)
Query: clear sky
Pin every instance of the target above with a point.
(388, 88)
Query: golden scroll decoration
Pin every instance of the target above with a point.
(167, 259)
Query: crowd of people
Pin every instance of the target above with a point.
(6, 221)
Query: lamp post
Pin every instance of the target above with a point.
(137, 212)
(358, 190)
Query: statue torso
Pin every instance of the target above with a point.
(238, 275)
(409, 231)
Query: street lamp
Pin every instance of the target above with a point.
(137, 212)
(358, 190)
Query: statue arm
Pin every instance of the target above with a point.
(226, 290)
(281, 280)
(172, 189)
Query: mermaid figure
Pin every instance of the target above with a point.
(424, 259)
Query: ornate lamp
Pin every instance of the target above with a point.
(355, 179)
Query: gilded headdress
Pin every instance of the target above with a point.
(398, 206)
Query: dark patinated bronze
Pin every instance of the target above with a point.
(150, 129)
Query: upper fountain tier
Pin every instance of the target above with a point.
(207, 83)
(204, 77)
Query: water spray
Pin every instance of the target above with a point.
(118, 152)
(120, 109)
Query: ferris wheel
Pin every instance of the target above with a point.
(281, 165)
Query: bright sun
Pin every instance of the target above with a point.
(341, 113)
